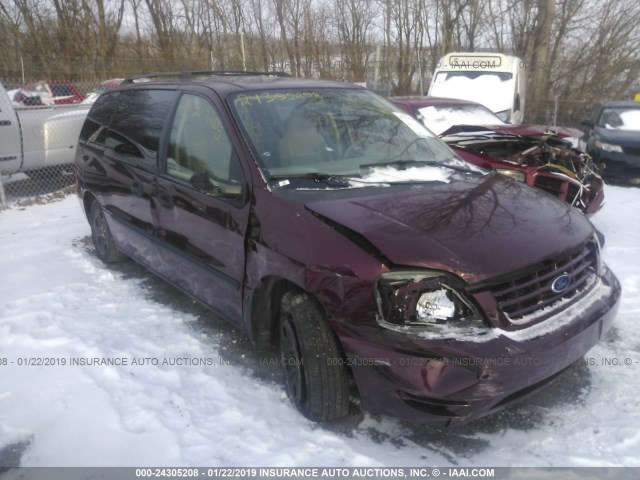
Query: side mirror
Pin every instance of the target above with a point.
(587, 123)
(201, 182)
(232, 191)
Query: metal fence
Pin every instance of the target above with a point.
(560, 112)
(18, 188)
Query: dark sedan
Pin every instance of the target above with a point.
(613, 138)
(533, 154)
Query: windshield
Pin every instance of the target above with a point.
(493, 89)
(472, 76)
(620, 118)
(439, 118)
(340, 133)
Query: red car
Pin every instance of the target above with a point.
(49, 93)
(537, 155)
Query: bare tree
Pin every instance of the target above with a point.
(577, 51)
(540, 44)
(354, 21)
(163, 21)
(290, 16)
(404, 18)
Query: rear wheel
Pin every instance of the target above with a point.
(101, 236)
(315, 376)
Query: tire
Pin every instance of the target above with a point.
(315, 377)
(101, 236)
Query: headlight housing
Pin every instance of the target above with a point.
(515, 174)
(608, 147)
(504, 115)
(424, 298)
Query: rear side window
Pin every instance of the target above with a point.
(99, 117)
(140, 115)
(138, 120)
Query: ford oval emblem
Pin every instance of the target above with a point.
(561, 283)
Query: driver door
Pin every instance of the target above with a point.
(199, 208)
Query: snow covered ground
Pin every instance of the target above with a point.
(57, 301)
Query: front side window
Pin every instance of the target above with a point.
(200, 151)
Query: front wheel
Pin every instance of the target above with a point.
(315, 376)
(101, 236)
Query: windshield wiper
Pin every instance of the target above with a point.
(331, 179)
(413, 163)
(458, 168)
(397, 163)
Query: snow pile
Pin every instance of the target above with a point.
(427, 173)
(214, 402)
(439, 118)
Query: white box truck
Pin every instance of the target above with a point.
(495, 80)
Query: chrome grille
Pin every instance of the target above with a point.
(528, 292)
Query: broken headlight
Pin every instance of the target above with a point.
(424, 298)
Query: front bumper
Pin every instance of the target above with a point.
(456, 379)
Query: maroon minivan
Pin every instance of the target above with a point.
(319, 217)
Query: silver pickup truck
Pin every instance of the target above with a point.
(33, 139)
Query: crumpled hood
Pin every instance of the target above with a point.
(520, 130)
(477, 229)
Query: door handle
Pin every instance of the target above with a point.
(5, 123)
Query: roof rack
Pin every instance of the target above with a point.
(185, 75)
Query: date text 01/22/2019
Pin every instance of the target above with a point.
(114, 361)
